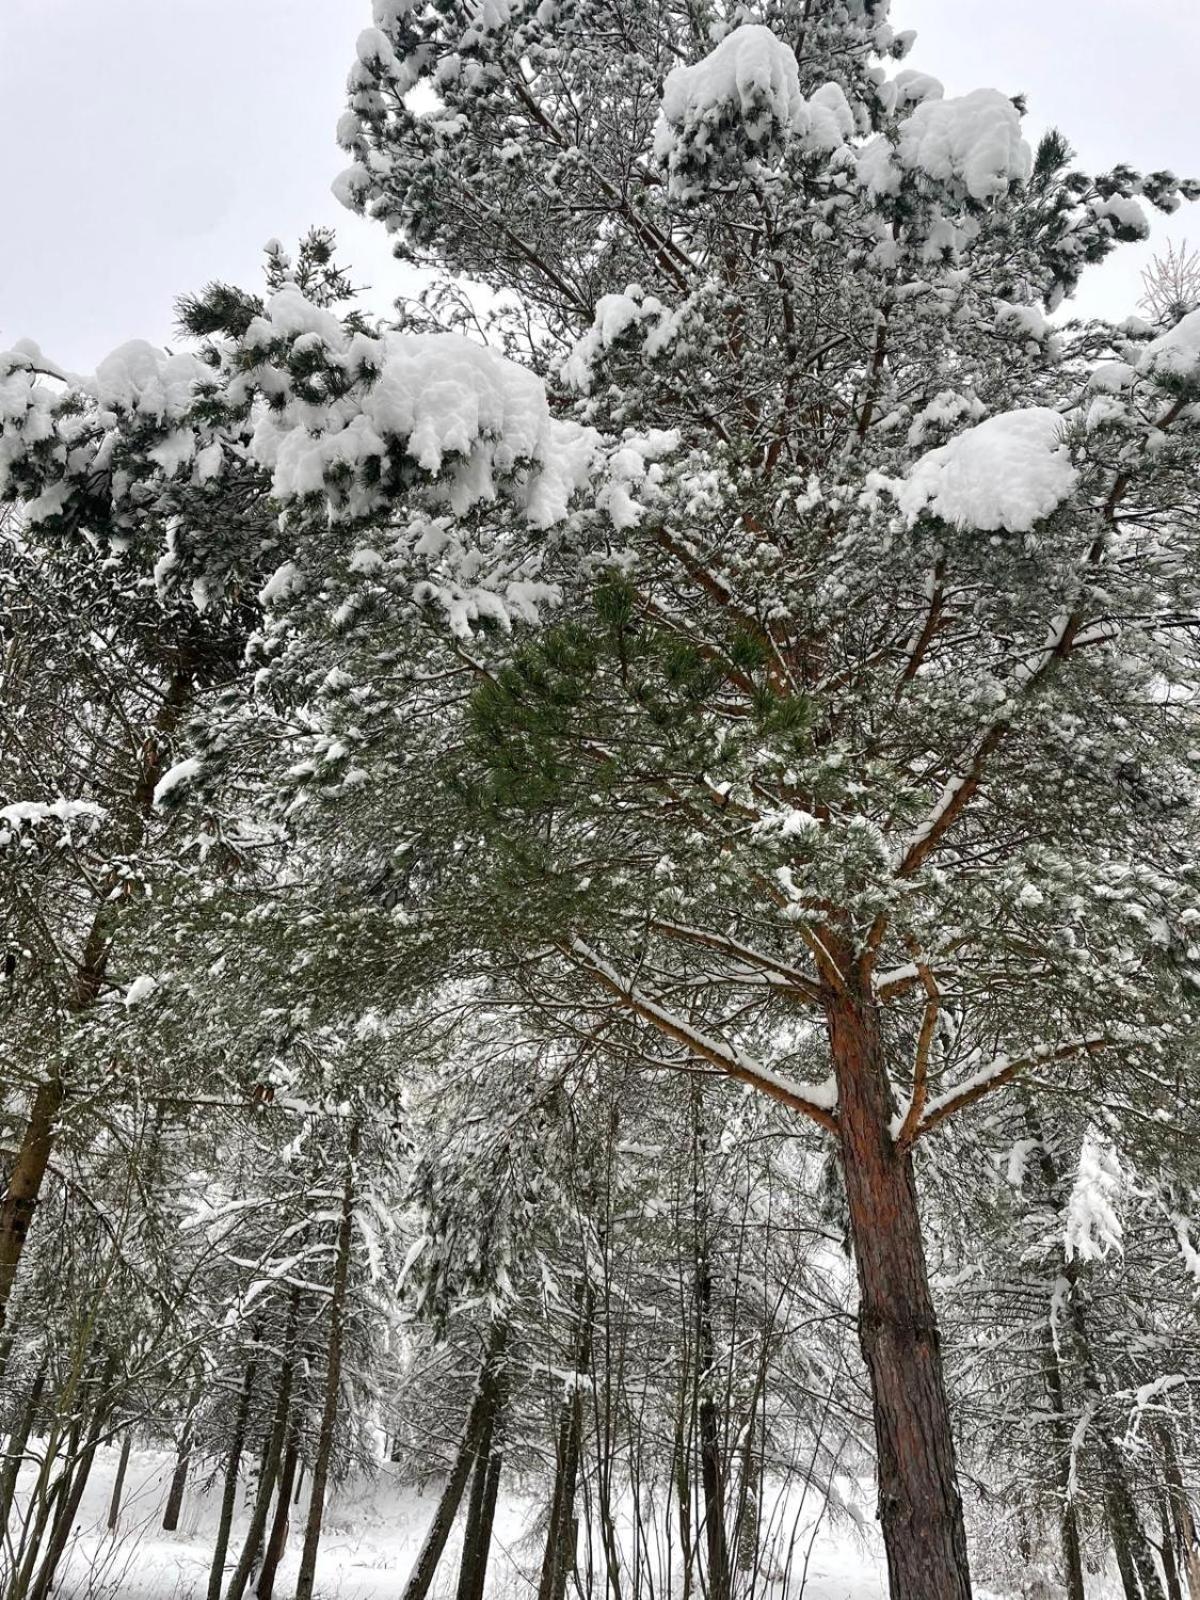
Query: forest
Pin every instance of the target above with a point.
(599, 892)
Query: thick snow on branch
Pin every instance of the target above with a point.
(1009, 472)
(1093, 1225)
(1176, 353)
(457, 410)
(973, 143)
(751, 81)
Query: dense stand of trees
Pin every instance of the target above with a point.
(601, 901)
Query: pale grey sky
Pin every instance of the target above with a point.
(147, 146)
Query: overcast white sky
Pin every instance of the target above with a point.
(147, 146)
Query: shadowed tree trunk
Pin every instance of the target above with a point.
(118, 1489)
(919, 1504)
(435, 1540)
(183, 1460)
(68, 1509)
(17, 1441)
(333, 1379)
(481, 1507)
(216, 1575)
(1181, 1513)
(559, 1558)
(24, 1186)
(272, 1455)
(277, 1543)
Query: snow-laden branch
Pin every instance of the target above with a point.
(795, 982)
(998, 1072)
(816, 1101)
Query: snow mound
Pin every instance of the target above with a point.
(973, 142)
(457, 410)
(1176, 353)
(140, 378)
(750, 82)
(1006, 472)
(750, 73)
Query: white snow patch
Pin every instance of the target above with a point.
(1008, 471)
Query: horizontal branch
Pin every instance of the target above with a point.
(1002, 1071)
(811, 1101)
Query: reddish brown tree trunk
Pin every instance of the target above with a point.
(24, 1185)
(920, 1509)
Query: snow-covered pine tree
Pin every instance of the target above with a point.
(864, 706)
(832, 657)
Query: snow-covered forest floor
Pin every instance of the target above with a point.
(373, 1529)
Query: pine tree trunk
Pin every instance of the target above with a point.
(277, 1543)
(421, 1577)
(269, 1470)
(1181, 1512)
(712, 1476)
(17, 1441)
(1072, 1552)
(183, 1462)
(333, 1379)
(24, 1187)
(216, 1575)
(1166, 1550)
(1135, 1556)
(64, 1519)
(118, 1489)
(485, 1486)
(562, 1533)
(919, 1504)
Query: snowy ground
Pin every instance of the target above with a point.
(372, 1532)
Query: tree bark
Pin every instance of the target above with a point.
(561, 1535)
(485, 1486)
(18, 1439)
(1072, 1552)
(216, 1575)
(24, 1187)
(269, 1470)
(183, 1461)
(1181, 1512)
(920, 1509)
(277, 1543)
(333, 1379)
(118, 1489)
(418, 1585)
(64, 1518)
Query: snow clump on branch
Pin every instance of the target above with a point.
(1007, 472)
(751, 83)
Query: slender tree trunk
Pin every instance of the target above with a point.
(919, 1504)
(118, 1489)
(216, 1575)
(17, 1441)
(421, 1577)
(485, 1485)
(1181, 1512)
(272, 1455)
(561, 1535)
(64, 1519)
(24, 1187)
(712, 1475)
(1068, 1523)
(183, 1462)
(277, 1543)
(1166, 1550)
(333, 1379)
